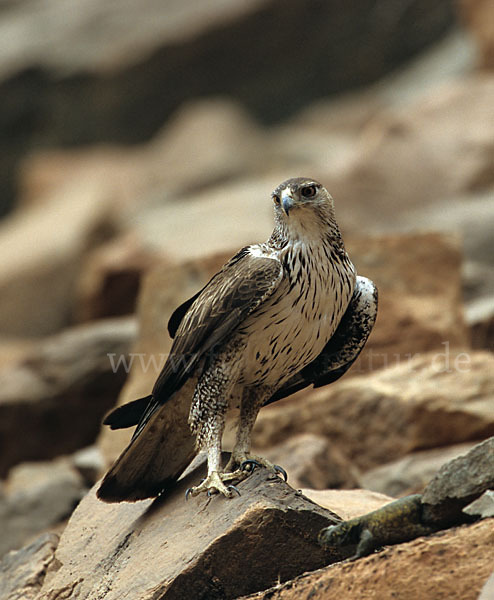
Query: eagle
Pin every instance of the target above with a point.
(279, 316)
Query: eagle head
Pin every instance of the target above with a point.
(302, 203)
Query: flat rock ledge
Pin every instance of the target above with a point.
(168, 548)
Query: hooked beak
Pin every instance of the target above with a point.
(287, 201)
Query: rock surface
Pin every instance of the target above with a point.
(453, 564)
(410, 474)
(53, 401)
(348, 503)
(458, 483)
(36, 497)
(22, 573)
(171, 548)
(435, 399)
(479, 17)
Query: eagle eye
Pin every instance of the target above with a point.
(309, 191)
(276, 199)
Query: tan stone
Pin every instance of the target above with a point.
(452, 565)
(173, 549)
(434, 399)
(348, 503)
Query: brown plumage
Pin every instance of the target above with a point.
(265, 325)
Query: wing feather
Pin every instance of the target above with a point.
(230, 296)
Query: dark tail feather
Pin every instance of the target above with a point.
(127, 415)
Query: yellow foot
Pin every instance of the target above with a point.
(241, 464)
(213, 484)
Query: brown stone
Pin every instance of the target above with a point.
(453, 564)
(434, 399)
(478, 15)
(53, 401)
(313, 462)
(22, 572)
(418, 311)
(203, 548)
(111, 277)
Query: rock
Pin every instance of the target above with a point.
(458, 483)
(434, 399)
(480, 317)
(381, 187)
(348, 504)
(410, 474)
(479, 18)
(58, 395)
(22, 573)
(482, 507)
(488, 590)
(66, 83)
(417, 311)
(37, 496)
(110, 279)
(89, 463)
(39, 269)
(450, 564)
(176, 549)
(313, 462)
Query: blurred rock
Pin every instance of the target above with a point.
(42, 252)
(479, 18)
(434, 399)
(482, 507)
(37, 496)
(414, 161)
(410, 474)
(348, 503)
(417, 310)
(458, 483)
(66, 82)
(89, 463)
(311, 461)
(451, 564)
(111, 277)
(480, 317)
(22, 573)
(53, 401)
(170, 548)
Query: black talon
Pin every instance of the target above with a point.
(232, 487)
(281, 470)
(188, 492)
(250, 462)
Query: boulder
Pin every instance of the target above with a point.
(110, 279)
(410, 474)
(36, 497)
(452, 564)
(52, 402)
(434, 399)
(64, 82)
(204, 548)
(478, 15)
(458, 483)
(22, 572)
(42, 253)
(313, 462)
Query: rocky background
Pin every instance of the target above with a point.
(139, 146)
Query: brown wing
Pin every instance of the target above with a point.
(229, 297)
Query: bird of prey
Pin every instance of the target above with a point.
(279, 316)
